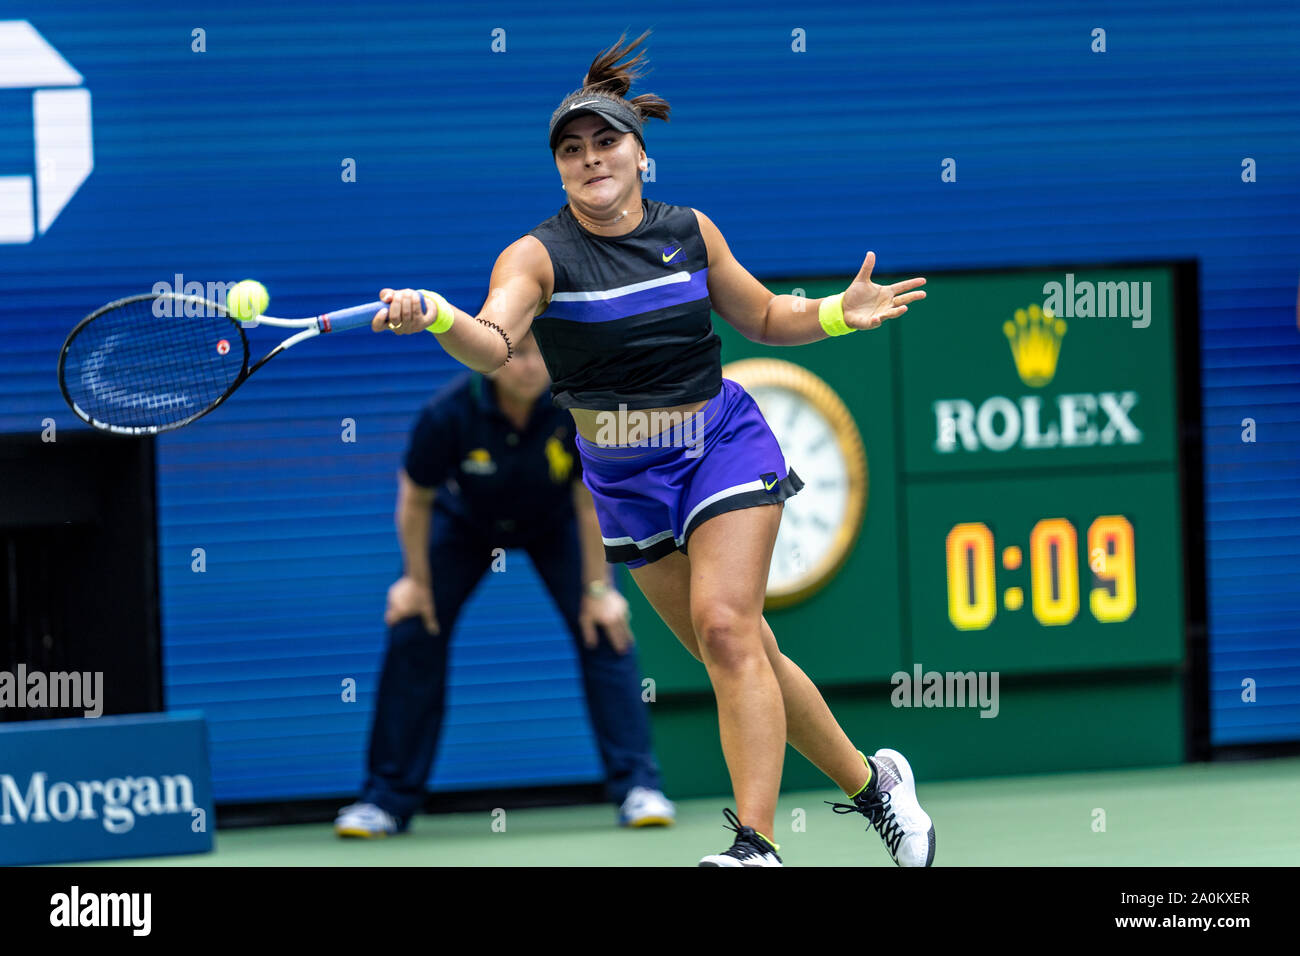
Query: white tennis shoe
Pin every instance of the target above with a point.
(365, 820)
(889, 803)
(644, 807)
(750, 848)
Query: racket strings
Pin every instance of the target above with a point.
(154, 362)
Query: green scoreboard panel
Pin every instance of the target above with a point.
(1024, 508)
(1040, 471)
(1027, 574)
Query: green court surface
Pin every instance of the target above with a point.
(1222, 814)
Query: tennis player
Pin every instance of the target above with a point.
(617, 290)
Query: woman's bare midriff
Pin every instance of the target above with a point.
(596, 426)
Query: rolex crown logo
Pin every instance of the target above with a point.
(1035, 338)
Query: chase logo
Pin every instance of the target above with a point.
(61, 132)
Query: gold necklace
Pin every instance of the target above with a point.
(621, 216)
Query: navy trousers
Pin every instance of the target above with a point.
(412, 687)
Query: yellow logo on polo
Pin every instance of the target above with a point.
(478, 462)
(1035, 338)
(559, 459)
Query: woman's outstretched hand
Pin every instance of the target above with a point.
(868, 305)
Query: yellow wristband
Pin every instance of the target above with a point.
(831, 315)
(445, 314)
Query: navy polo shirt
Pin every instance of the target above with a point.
(505, 481)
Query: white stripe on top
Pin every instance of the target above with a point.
(673, 279)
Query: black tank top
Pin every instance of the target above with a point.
(629, 321)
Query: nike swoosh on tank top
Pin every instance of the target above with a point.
(629, 321)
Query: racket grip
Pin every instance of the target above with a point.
(355, 317)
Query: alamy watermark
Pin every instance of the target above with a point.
(128, 910)
(58, 690)
(1084, 300)
(198, 301)
(651, 429)
(923, 688)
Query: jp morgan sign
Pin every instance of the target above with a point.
(100, 789)
(116, 803)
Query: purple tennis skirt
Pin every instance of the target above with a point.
(651, 494)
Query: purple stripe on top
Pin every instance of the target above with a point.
(632, 303)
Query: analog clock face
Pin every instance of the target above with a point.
(820, 441)
(813, 518)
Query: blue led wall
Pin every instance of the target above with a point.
(228, 163)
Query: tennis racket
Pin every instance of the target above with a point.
(152, 363)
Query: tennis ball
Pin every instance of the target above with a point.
(247, 300)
